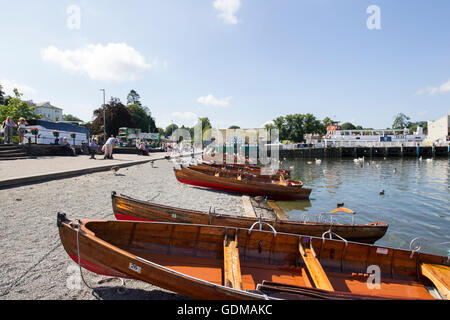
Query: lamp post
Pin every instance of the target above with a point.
(104, 115)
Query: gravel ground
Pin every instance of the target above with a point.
(34, 264)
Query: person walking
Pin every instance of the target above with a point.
(8, 125)
(22, 124)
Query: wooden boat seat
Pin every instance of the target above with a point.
(439, 275)
(315, 269)
(231, 266)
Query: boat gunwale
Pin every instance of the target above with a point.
(275, 221)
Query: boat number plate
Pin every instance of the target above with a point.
(382, 251)
(135, 268)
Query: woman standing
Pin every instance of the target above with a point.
(8, 125)
(22, 123)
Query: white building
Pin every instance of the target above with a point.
(47, 111)
(439, 130)
(337, 137)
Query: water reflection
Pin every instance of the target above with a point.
(415, 202)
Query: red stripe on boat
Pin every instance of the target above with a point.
(105, 271)
(125, 217)
(238, 190)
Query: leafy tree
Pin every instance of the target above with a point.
(117, 116)
(293, 126)
(348, 126)
(70, 117)
(170, 129)
(133, 98)
(141, 118)
(401, 121)
(2, 95)
(234, 127)
(17, 108)
(413, 126)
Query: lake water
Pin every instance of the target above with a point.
(416, 200)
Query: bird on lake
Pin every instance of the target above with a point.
(382, 192)
(420, 159)
(339, 205)
(395, 170)
(318, 161)
(309, 162)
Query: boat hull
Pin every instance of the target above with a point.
(126, 208)
(221, 263)
(272, 191)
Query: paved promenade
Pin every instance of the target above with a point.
(16, 172)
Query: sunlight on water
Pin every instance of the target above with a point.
(415, 203)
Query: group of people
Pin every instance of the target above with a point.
(7, 129)
(64, 142)
(107, 148)
(141, 146)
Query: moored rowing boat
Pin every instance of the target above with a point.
(276, 190)
(126, 208)
(213, 262)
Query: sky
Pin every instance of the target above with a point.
(238, 62)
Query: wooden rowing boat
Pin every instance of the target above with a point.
(248, 168)
(273, 190)
(126, 208)
(221, 263)
(224, 172)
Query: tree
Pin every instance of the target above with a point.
(348, 126)
(141, 118)
(2, 95)
(170, 129)
(133, 98)
(17, 108)
(69, 117)
(117, 116)
(401, 121)
(293, 126)
(234, 127)
(413, 126)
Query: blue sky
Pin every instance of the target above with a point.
(238, 62)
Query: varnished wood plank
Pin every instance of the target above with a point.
(248, 207)
(439, 275)
(232, 269)
(315, 269)
(277, 210)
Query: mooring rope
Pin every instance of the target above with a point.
(120, 290)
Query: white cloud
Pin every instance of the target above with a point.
(184, 115)
(227, 9)
(10, 85)
(114, 61)
(443, 88)
(212, 101)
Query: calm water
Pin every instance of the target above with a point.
(416, 200)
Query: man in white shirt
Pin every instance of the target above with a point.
(109, 146)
